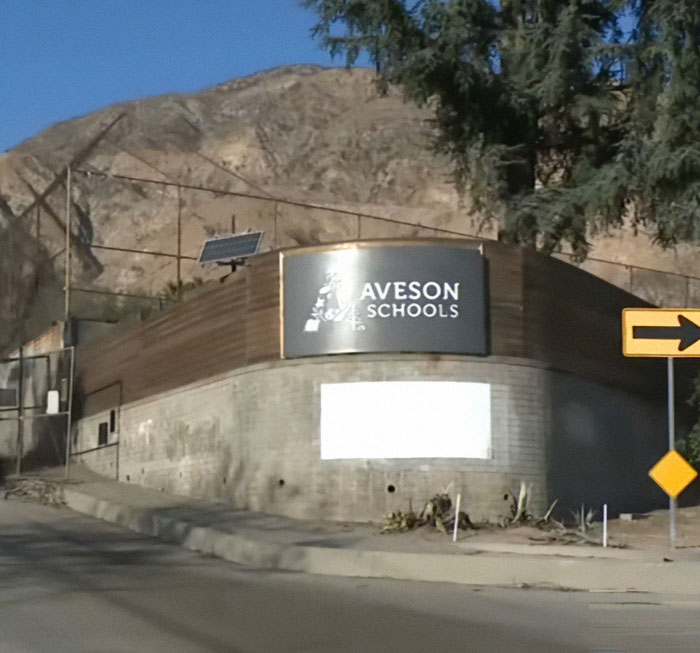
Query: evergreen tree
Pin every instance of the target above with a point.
(557, 126)
(664, 133)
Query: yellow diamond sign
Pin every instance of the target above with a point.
(673, 473)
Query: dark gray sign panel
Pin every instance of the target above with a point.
(411, 298)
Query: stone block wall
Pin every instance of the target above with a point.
(251, 437)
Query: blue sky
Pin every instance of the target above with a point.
(64, 58)
(60, 59)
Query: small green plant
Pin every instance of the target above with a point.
(173, 292)
(691, 444)
(584, 519)
(520, 509)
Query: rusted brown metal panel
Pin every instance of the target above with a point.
(505, 274)
(539, 308)
(263, 317)
(571, 321)
(227, 325)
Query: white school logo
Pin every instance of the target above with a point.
(333, 304)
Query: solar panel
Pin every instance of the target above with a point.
(227, 249)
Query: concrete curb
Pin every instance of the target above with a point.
(474, 568)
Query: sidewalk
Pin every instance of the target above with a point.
(349, 549)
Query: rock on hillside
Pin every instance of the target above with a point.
(255, 150)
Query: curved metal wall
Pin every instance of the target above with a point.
(539, 308)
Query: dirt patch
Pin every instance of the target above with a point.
(652, 530)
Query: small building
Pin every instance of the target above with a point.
(344, 381)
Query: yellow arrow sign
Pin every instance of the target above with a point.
(673, 473)
(661, 332)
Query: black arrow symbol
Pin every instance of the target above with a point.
(687, 332)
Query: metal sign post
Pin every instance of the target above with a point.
(665, 333)
(671, 447)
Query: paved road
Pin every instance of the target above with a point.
(71, 583)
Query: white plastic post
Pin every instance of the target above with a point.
(454, 531)
(605, 525)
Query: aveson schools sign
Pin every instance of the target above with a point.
(400, 291)
(414, 298)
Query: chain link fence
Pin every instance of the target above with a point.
(35, 405)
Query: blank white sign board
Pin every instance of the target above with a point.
(52, 402)
(405, 419)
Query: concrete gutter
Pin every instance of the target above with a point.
(470, 566)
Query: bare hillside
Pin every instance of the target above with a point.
(275, 151)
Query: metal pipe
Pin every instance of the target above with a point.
(671, 407)
(20, 414)
(31, 417)
(70, 409)
(28, 358)
(119, 294)
(38, 233)
(275, 213)
(67, 251)
(671, 447)
(141, 251)
(119, 428)
(179, 244)
(98, 448)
